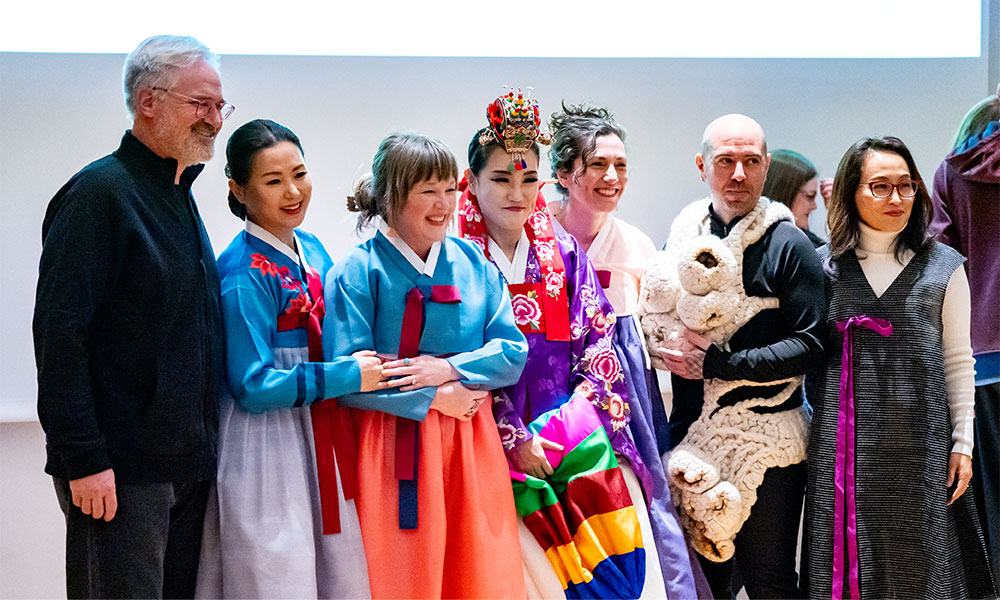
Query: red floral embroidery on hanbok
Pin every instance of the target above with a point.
(299, 303)
(544, 250)
(603, 362)
(259, 261)
(283, 273)
(586, 389)
(526, 310)
(554, 282)
(539, 222)
(618, 411)
(600, 322)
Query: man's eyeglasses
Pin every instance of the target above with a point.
(203, 107)
(883, 189)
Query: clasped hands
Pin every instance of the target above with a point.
(452, 398)
(378, 373)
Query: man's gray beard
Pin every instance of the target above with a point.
(188, 151)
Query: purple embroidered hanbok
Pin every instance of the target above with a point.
(585, 363)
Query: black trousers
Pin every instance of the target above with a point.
(766, 544)
(986, 470)
(150, 548)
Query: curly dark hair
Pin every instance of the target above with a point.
(575, 131)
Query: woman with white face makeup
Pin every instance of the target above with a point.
(279, 524)
(433, 495)
(591, 164)
(567, 417)
(887, 512)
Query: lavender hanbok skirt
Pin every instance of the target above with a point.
(682, 573)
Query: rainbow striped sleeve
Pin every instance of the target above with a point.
(582, 514)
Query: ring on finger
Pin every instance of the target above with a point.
(406, 361)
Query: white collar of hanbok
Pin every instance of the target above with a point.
(603, 239)
(272, 240)
(512, 271)
(425, 268)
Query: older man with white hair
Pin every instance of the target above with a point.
(128, 336)
(762, 354)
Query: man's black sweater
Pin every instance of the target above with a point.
(127, 328)
(774, 344)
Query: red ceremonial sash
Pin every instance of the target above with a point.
(332, 432)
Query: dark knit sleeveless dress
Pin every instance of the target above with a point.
(909, 543)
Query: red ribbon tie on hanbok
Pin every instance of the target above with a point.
(604, 277)
(407, 430)
(331, 431)
(844, 508)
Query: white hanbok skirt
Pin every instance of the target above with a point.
(263, 535)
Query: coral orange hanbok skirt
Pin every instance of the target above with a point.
(466, 542)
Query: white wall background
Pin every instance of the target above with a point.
(60, 111)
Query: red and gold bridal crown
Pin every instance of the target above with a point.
(514, 122)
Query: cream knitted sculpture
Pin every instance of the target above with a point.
(697, 282)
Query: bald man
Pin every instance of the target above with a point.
(774, 344)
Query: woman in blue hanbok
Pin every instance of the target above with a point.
(434, 500)
(278, 524)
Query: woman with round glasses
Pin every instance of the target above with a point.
(889, 453)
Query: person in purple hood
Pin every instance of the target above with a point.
(966, 200)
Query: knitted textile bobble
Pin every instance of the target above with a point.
(697, 282)
(707, 264)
